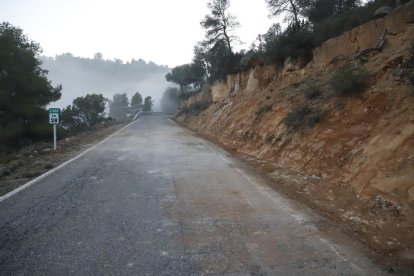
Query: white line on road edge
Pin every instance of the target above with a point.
(172, 122)
(298, 217)
(30, 183)
(228, 162)
(137, 115)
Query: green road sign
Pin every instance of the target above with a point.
(54, 116)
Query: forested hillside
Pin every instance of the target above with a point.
(80, 76)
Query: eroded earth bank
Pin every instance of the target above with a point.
(351, 157)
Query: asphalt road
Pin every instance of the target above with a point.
(157, 200)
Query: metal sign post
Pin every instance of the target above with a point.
(54, 119)
(54, 137)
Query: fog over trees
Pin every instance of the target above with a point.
(80, 76)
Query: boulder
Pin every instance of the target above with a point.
(383, 11)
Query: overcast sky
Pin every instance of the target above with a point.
(162, 31)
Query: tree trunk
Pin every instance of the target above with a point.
(181, 96)
(228, 41)
(182, 91)
(295, 12)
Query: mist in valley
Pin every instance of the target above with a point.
(80, 76)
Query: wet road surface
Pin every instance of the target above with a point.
(157, 200)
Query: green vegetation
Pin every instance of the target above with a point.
(290, 7)
(215, 52)
(185, 75)
(295, 42)
(119, 107)
(303, 116)
(349, 80)
(213, 57)
(409, 67)
(219, 24)
(411, 77)
(170, 99)
(148, 103)
(25, 90)
(84, 113)
(136, 102)
(87, 111)
(310, 23)
(342, 16)
(312, 91)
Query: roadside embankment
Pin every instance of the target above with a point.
(351, 156)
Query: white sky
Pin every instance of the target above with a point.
(162, 31)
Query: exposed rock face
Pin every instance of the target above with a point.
(367, 35)
(362, 148)
(198, 101)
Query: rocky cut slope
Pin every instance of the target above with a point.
(350, 156)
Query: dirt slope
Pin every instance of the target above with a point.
(357, 162)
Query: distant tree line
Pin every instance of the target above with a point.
(80, 74)
(87, 111)
(99, 69)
